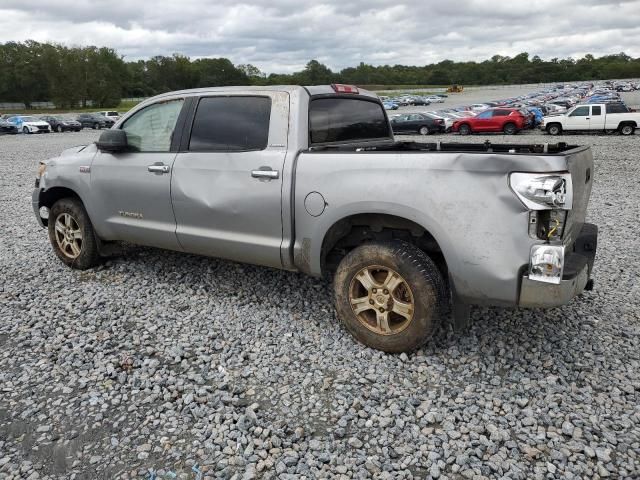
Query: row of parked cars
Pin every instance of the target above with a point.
(405, 100)
(13, 124)
(535, 110)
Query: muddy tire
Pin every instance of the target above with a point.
(71, 234)
(389, 295)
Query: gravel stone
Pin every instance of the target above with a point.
(158, 361)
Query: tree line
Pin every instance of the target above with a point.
(73, 76)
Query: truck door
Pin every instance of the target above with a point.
(597, 118)
(227, 178)
(131, 190)
(579, 118)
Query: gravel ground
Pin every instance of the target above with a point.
(159, 364)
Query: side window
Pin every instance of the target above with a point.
(151, 129)
(580, 112)
(485, 115)
(616, 108)
(596, 110)
(231, 124)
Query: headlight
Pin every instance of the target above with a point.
(540, 191)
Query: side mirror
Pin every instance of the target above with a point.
(112, 141)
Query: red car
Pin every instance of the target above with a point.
(507, 120)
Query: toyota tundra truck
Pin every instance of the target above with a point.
(310, 179)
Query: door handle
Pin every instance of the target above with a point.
(270, 174)
(587, 118)
(158, 168)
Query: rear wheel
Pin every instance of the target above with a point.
(71, 234)
(554, 129)
(464, 129)
(424, 130)
(96, 126)
(389, 295)
(59, 128)
(627, 129)
(509, 129)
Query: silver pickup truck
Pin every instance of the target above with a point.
(310, 179)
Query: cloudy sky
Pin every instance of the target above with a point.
(282, 35)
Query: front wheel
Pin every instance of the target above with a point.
(424, 130)
(25, 130)
(59, 128)
(71, 234)
(464, 129)
(554, 129)
(389, 295)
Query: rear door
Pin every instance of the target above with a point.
(579, 118)
(227, 178)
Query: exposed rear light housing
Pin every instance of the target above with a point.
(342, 88)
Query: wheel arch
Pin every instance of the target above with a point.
(50, 196)
(356, 229)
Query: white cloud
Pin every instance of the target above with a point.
(282, 35)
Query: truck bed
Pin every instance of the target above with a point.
(458, 147)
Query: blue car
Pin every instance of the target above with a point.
(390, 105)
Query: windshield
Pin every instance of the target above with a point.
(345, 120)
(29, 119)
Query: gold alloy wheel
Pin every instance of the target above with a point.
(381, 300)
(68, 235)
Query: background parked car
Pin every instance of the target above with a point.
(28, 124)
(95, 121)
(7, 128)
(507, 120)
(62, 125)
(110, 114)
(416, 122)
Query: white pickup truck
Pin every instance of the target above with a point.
(604, 117)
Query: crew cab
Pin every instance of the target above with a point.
(311, 180)
(602, 117)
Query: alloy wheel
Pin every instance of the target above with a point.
(68, 235)
(382, 300)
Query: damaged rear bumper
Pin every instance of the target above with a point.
(576, 276)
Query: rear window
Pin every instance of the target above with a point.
(344, 120)
(231, 124)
